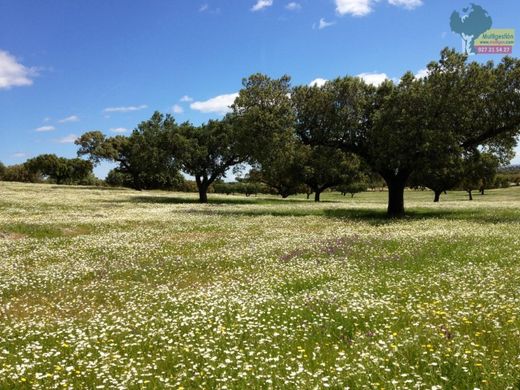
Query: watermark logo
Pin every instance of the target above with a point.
(474, 27)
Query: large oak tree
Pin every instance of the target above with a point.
(397, 127)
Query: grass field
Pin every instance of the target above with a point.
(121, 289)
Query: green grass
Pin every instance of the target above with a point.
(122, 289)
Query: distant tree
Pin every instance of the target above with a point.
(442, 172)
(144, 155)
(60, 169)
(325, 167)
(116, 178)
(375, 181)
(207, 151)
(478, 169)
(358, 184)
(248, 185)
(283, 171)
(3, 169)
(502, 181)
(221, 187)
(20, 173)
(91, 180)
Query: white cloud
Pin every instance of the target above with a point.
(364, 7)
(12, 73)
(408, 4)
(176, 109)
(324, 24)
(20, 155)
(69, 139)
(219, 104)
(72, 118)
(375, 79)
(45, 128)
(125, 109)
(293, 6)
(118, 130)
(186, 98)
(422, 74)
(354, 7)
(203, 7)
(261, 4)
(319, 82)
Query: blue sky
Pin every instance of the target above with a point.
(67, 67)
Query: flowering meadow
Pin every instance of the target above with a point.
(117, 289)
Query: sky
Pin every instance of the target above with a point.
(71, 66)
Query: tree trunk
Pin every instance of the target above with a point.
(309, 195)
(482, 191)
(396, 198)
(202, 186)
(317, 194)
(470, 195)
(437, 196)
(203, 193)
(352, 195)
(137, 183)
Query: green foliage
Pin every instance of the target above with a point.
(116, 178)
(207, 151)
(283, 171)
(91, 180)
(479, 170)
(20, 173)
(359, 184)
(188, 186)
(397, 128)
(3, 169)
(511, 173)
(325, 167)
(144, 158)
(265, 114)
(246, 188)
(59, 169)
(502, 181)
(443, 172)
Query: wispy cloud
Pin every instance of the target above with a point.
(204, 7)
(13, 73)
(176, 109)
(119, 130)
(186, 98)
(364, 7)
(68, 139)
(72, 118)
(293, 6)
(408, 4)
(20, 155)
(261, 4)
(319, 82)
(125, 108)
(324, 24)
(219, 104)
(45, 128)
